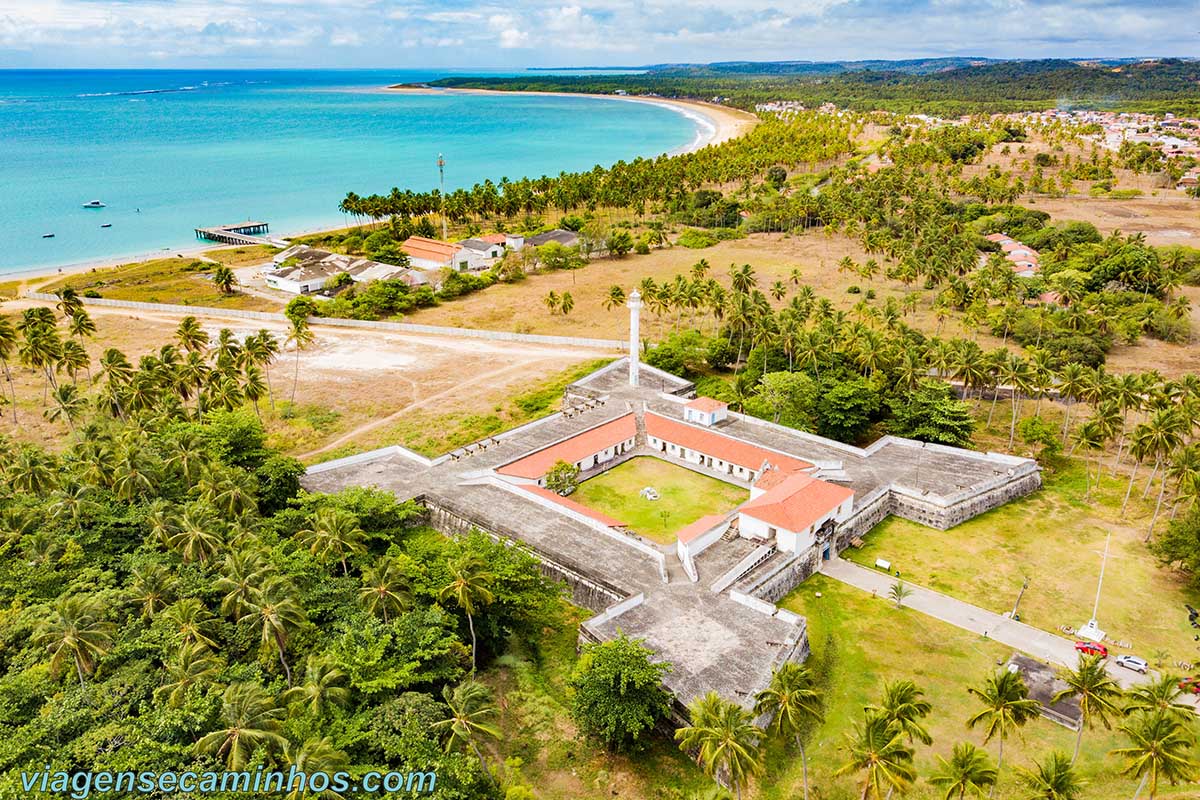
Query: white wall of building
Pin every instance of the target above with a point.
(701, 459)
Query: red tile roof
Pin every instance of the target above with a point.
(771, 478)
(797, 502)
(997, 237)
(734, 451)
(700, 526)
(707, 404)
(567, 502)
(429, 249)
(493, 238)
(577, 448)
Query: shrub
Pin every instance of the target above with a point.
(696, 239)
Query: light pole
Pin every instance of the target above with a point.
(1091, 630)
(442, 193)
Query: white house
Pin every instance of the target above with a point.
(301, 269)
(424, 253)
(790, 509)
(705, 411)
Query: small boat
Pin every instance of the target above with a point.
(106, 225)
(94, 204)
(47, 235)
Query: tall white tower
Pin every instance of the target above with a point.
(635, 306)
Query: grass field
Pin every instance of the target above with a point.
(185, 281)
(1056, 538)
(859, 642)
(685, 496)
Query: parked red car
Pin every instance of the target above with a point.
(1092, 649)
(1190, 685)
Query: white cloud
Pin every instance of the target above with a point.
(393, 33)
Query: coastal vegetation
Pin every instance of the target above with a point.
(1160, 86)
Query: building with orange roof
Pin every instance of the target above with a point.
(426, 253)
(586, 450)
(793, 509)
(706, 411)
(735, 457)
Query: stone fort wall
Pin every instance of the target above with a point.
(589, 592)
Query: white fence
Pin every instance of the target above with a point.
(381, 325)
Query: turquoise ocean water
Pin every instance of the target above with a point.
(169, 151)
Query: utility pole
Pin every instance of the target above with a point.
(442, 194)
(1092, 629)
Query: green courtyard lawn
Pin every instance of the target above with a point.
(1055, 537)
(685, 496)
(859, 642)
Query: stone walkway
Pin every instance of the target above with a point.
(1032, 641)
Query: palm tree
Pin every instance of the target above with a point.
(275, 608)
(470, 710)
(1160, 748)
(243, 571)
(898, 593)
(32, 472)
(8, 345)
(469, 589)
(198, 537)
(1052, 779)
(1097, 693)
(251, 720)
(334, 533)
(905, 705)
(75, 629)
(968, 770)
(1161, 694)
(794, 705)
(191, 619)
(68, 405)
(566, 303)
(300, 337)
(193, 665)
(386, 589)
(724, 739)
(1006, 708)
(151, 589)
(224, 279)
(322, 688)
(877, 748)
(314, 755)
(614, 298)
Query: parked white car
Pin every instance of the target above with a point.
(1134, 663)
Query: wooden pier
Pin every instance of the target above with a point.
(242, 233)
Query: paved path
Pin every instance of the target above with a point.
(1033, 641)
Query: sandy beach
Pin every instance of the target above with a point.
(716, 124)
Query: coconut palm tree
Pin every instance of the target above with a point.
(724, 739)
(224, 279)
(151, 589)
(75, 630)
(968, 770)
(614, 298)
(877, 749)
(1098, 694)
(905, 705)
(1006, 708)
(242, 572)
(1052, 779)
(275, 608)
(300, 337)
(469, 588)
(191, 619)
(794, 705)
(252, 721)
(469, 714)
(333, 533)
(386, 589)
(198, 537)
(322, 688)
(1160, 748)
(898, 593)
(68, 405)
(8, 346)
(314, 755)
(1161, 694)
(193, 665)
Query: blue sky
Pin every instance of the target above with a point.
(516, 33)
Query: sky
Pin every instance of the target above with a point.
(518, 33)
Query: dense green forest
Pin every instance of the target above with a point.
(174, 601)
(1168, 85)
